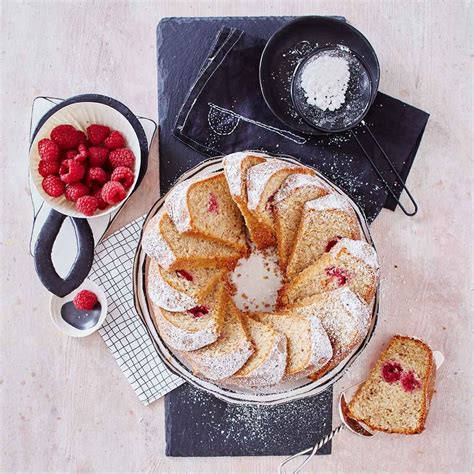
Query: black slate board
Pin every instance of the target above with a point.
(196, 423)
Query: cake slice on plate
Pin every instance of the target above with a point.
(309, 347)
(397, 395)
(344, 317)
(236, 167)
(266, 366)
(204, 207)
(174, 250)
(263, 181)
(351, 263)
(323, 222)
(288, 207)
(183, 289)
(229, 353)
(193, 328)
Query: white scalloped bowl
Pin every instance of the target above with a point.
(281, 393)
(80, 115)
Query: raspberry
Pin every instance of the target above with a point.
(81, 138)
(122, 157)
(98, 155)
(53, 186)
(391, 371)
(96, 176)
(410, 382)
(184, 274)
(123, 175)
(45, 168)
(87, 205)
(113, 192)
(114, 140)
(97, 192)
(198, 311)
(85, 300)
(340, 274)
(48, 150)
(71, 171)
(83, 151)
(76, 190)
(332, 243)
(97, 133)
(65, 136)
(212, 204)
(71, 154)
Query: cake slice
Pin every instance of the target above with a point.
(345, 318)
(174, 250)
(323, 222)
(196, 327)
(263, 181)
(236, 166)
(397, 395)
(183, 289)
(204, 207)
(229, 353)
(309, 347)
(288, 208)
(266, 366)
(350, 263)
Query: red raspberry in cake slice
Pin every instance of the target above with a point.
(213, 204)
(184, 274)
(410, 382)
(332, 243)
(391, 371)
(198, 311)
(340, 274)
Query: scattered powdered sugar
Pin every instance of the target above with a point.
(297, 181)
(176, 206)
(154, 245)
(330, 201)
(257, 279)
(359, 249)
(324, 80)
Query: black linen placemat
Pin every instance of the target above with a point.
(225, 111)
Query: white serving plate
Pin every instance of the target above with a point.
(80, 115)
(281, 393)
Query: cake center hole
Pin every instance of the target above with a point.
(257, 279)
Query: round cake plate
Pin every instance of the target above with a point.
(284, 392)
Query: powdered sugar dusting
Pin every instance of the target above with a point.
(359, 249)
(331, 201)
(154, 244)
(297, 181)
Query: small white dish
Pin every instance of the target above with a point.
(80, 115)
(56, 303)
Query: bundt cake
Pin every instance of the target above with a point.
(183, 289)
(204, 207)
(196, 327)
(309, 347)
(263, 181)
(397, 395)
(266, 366)
(236, 166)
(173, 250)
(344, 317)
(288, 207)
(229, 353)
(323, 221)
(349, 262)
(198, 243)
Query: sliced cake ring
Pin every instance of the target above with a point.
(309, 347)
(323, 222)
(288, 204)
(263, 181)
(174, 250)
(344, 317)
(266, 366)
(204, 207)
(225, 356)
(193, 328)
(351, 263)
(183, 289)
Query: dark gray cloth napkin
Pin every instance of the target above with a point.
(229, 81)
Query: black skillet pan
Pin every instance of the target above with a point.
(290, 49)
(84, 236)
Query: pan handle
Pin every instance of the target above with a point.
(43, 254)
(379, 174)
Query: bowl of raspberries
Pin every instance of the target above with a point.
(84, 161)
